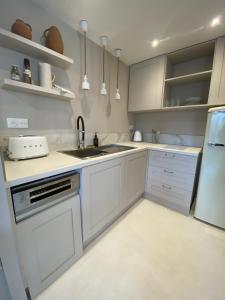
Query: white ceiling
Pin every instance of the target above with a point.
(133, 24)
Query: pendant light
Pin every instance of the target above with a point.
(103, 40)
(118, 54)
(84, 27)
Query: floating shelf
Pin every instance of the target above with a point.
(35, 89)
(189, 78)
(20, 44)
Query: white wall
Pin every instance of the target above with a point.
(49, 116)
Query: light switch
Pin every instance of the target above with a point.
(17, 123)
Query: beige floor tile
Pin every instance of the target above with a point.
(150, 253)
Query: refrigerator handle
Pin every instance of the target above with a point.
(216, 145)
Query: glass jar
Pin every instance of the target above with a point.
(15, 74)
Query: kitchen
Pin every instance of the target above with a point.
(118, 221)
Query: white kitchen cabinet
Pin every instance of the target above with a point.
(108, 189)
(49, 243)
(217, 87)
(170, 179)
(134, 181)
(101, 195)
(146, 84)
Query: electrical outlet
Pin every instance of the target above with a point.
(17, 123)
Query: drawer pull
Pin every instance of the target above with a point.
(166, 187)
(168, 172)
(170, 155)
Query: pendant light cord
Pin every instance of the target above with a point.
(85, 54)
(103, 65)
(117, 77)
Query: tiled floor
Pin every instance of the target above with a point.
(151, 253)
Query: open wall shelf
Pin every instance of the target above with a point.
(20, 44)
(189, 78)
(35, 89)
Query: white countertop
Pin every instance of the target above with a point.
(19, 172)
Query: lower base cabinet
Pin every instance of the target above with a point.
(170, 179)
(49, 243)
(108, 189)
(134, 180)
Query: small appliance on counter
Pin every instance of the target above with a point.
(25, 147)
(137, 136)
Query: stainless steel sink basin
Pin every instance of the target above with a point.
(113, 148)
(96, 152)
(85, 153)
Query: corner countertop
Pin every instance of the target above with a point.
(19, 172)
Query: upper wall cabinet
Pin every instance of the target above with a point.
(217, 88)
(188, 75)
(146, 84)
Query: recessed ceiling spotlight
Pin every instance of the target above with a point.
(155, 43)
(215, 22)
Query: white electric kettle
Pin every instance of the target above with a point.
(137, 136)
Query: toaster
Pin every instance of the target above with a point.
(25, 147)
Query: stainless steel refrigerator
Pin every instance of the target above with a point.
(210, 204)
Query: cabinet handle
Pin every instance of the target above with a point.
(170, 155)
(166, 187)
(168, 172)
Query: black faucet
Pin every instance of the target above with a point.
(81, 132)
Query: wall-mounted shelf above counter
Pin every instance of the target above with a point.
(20, 44)
(35, 89)
(189, 78)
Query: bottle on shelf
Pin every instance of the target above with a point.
(27, 72)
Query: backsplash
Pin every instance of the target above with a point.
(68, 140)
(177, 139)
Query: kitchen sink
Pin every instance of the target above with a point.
(113, 148)
(85, 153)
(96, 152)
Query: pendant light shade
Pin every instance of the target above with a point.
(84, 27)
(118, 54)
(103, 40)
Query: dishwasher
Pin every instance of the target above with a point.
(48, 228)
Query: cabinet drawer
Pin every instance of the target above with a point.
(172, 177)
(179, 162)
(171, 196)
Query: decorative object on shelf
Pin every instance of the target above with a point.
(27, 47)
(84, 26)
(62, 90)
(27, 72)
(15, 74)
(118, 54)
(46, 78)
(103, 40)
(53, 39)
(23, 29)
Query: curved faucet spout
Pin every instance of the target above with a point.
(81, 133)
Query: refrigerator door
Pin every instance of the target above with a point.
(210, 204)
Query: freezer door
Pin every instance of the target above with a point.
(217, 129)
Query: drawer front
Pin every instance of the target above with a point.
(171, 177)
(171, 195)
(179, 162)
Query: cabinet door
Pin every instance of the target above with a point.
(49, 243)
(101, 194)
(146, 84)
(135, 167)
(217, 86)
